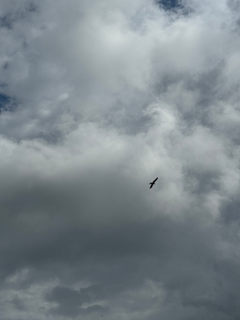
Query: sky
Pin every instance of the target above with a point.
(97, 99)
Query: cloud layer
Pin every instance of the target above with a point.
(97, 98)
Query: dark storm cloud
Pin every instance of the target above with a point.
(97, 99)
(18, 304)
(70, 302)
(230, 211)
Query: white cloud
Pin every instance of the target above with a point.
(104, 97)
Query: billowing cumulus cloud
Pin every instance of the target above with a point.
(97, 99)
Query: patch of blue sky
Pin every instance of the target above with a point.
(173, 5)
(5, 102)
(6, 22)
(169, 4)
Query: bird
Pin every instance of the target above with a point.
(152, 183)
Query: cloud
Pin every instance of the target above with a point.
(70, 302)
(98, 99)
(18, 304)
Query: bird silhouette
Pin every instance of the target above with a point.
(152, 183)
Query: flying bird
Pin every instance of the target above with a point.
(152, 183)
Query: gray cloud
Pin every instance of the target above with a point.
(70, 302)
(18, 304)
(97, 99)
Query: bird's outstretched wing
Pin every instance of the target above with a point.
(152, 183)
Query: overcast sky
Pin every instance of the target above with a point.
(97, 99)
